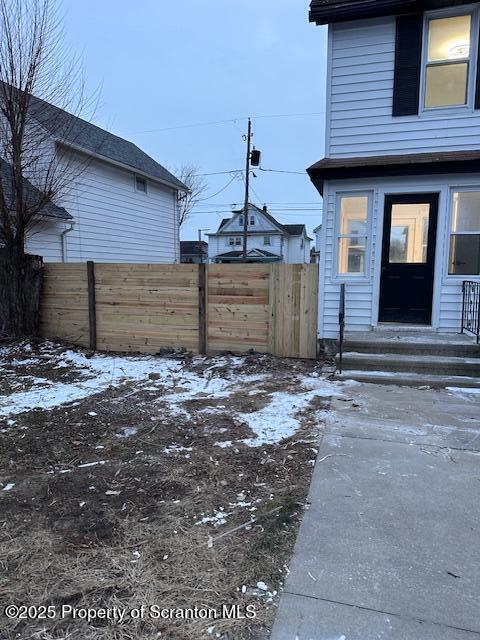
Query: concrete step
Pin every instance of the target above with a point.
(424, 364)
(416, 347)
(411, 379)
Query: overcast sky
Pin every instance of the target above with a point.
(162, 66)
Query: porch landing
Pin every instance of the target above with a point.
(411, 356)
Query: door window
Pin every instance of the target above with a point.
(409, 233)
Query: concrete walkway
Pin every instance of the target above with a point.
(390, 546)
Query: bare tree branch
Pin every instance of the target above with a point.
(197, 185)
(36, 71)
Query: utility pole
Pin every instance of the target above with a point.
(247, 185)
(200, 243)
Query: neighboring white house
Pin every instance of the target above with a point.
(121, 205)
(401, 176)
(315, 251)
(268, 240)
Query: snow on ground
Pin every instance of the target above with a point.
(463, 390)
(176, 385)
(278, 420)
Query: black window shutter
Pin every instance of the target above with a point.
(477, 91)
(408, 65)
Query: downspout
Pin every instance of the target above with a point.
(64, 241)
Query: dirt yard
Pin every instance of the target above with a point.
(147, 485)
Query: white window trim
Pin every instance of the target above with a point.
(137, 177)
(451, 277)
(337, 277)
(472, 70)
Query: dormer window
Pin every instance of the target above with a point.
(448, 61)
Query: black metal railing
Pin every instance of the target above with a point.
(341, 322)
(471, 308)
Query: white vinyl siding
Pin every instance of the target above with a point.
(220, 244)
(362, 295)
(362, 57)
(116, 223)
(45, 239)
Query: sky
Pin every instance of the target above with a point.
(165, 71)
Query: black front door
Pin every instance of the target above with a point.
(408, 258)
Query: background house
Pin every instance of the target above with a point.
(401, 176)
(268, 240)
(193, 251)
(121, 205)
(315, 251)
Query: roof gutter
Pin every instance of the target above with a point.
(63, 240)
(324, 12)
(122, 165)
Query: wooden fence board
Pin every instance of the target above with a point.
(142, 308)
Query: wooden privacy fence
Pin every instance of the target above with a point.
(203, 308)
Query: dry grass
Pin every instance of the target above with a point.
(64, 543)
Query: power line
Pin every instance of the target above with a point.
(221, 173)
(279, 211)
(230, 120)
(300, 173)
(292, 204)
(219, 192)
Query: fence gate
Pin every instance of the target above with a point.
(293, 310)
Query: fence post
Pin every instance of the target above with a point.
(202, 308)
(92, 315)
(272, 309)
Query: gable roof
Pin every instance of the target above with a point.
(295, 229)
(32, 194)
(251, 252)
(289, 229)
(330, 11)
(193, 246)
(79, 133)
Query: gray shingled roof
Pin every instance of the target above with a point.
(239, 254)
(32, 194)
(80, 133)
(294, 229)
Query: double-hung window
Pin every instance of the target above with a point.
(465, 234)
(352, 234)
(448, 61)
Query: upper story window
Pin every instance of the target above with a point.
(448, 61)
(140, 184)
(436, 62)
(252, 220)
(266, 240)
